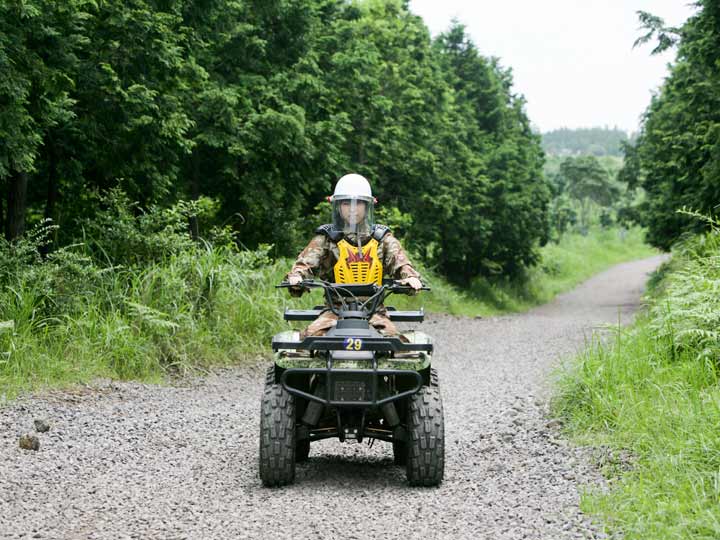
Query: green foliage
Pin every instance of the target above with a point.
(588, 182)
(490, 209)
(651, 393)
(584, 141)
(261, 106)
(73, 316)
(676, 158)
(39, 44)
(585, 178)
(587, 192)
(176, 304)
(563, 264)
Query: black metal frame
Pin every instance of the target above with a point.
(330, 373)
(367, 298)
(392, 313)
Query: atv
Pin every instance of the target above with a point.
(353, 383)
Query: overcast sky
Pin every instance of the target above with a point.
(573, 60)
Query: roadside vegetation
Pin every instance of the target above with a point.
(139, 298)
(151, 199)
(650, 397)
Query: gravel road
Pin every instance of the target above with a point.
(142, 461)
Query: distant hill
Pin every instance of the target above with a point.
(594, 141)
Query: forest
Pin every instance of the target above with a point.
(245, 113)
(594, 141)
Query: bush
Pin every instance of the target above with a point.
(173, 304)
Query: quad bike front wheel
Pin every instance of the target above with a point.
(426, 438)
(277, 436)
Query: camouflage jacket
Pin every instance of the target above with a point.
(318, 259)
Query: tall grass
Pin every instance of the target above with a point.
(138, 298)
(199, 307)
(652, 394)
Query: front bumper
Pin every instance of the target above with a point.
(342, 386)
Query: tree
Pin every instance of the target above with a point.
(39, 44)
(588, 182)
(676, 157)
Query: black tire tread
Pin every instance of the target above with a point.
(277, 437)
(270, 376)
(426, 438)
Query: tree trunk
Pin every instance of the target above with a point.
(16, 205)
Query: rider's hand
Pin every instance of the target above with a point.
(413, 282)
(294, 281)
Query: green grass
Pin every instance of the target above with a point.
(652, 393)
(71, 319)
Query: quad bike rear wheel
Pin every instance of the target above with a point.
(426, 438)
(277, 436)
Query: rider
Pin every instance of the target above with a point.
(353, 249)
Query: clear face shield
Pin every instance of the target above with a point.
(353, 215)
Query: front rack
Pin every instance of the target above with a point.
(332, 343)
(392, 313)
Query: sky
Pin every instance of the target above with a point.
(573, 60)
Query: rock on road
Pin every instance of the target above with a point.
(127, 460)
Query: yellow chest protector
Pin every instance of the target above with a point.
(356, 267)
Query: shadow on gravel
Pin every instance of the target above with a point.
(344, 471)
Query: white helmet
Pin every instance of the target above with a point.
(353, 205)
(352, 185)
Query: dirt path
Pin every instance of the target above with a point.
(138, 461)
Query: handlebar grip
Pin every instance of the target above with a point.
(405, 289)
(304, 283)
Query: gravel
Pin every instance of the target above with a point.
(129, 460)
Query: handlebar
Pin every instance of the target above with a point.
(394, 287)
(334, 292)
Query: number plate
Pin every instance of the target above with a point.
(353, 344)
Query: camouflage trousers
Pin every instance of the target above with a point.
(328, 319)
